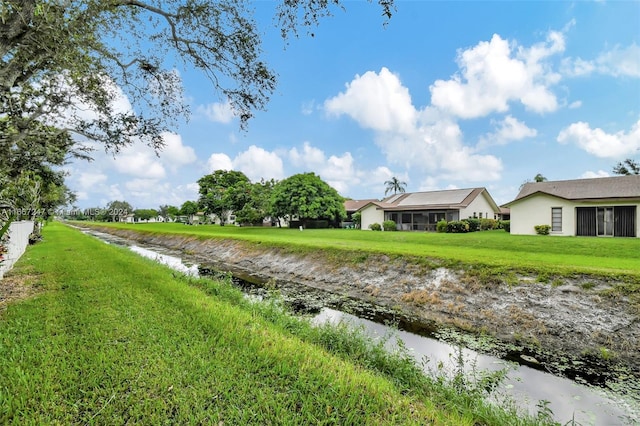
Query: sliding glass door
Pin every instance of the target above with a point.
(605, 221)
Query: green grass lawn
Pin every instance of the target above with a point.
(113, 338)
(498, 249)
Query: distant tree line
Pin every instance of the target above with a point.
(303, 198)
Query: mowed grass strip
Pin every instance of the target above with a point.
(526, 253)
(113, 338)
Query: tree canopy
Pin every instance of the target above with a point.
(65, 62)
(254, 206)
(306, 196)
(145, 214)
(627, 167)
(109, 71)
(189, 208)
(222, 192)
(117, 211)
(31, 182)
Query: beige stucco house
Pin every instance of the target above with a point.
(420, 211)
(582, 207)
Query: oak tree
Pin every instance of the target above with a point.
(64, 62)
(220, 193)
(307, 197)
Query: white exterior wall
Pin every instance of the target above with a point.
(18, 240)
(532, 211)
(477, 206)
(371, 214)
(536, 210)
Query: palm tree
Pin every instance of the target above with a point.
(394, 185)
(537, 178)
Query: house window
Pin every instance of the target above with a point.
(436, 217)
(556, 219)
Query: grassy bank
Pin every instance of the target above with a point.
(497, 249)
(112, 338)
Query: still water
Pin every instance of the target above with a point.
(568, 400)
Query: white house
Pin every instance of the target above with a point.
(582, 207)
(420, 211)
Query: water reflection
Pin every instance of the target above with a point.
(567, 399)
(165, 259)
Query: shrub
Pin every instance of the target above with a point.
(375, 227)
(474, 224)
(458, 227)
(389, 225)
(542, 229)
(487, 224)
(441, 226)
(506, 225)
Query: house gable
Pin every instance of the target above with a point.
(600, 206)
(596, 189)
(422, 210)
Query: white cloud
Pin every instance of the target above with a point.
(599, 143)
(620, 61)
(87, 180)
(494, 73)
(577, 67)
(150, 193)
(575, 104)
(429, 183)
(617, 62)
(598, 174)
(425, 140)
(256, 163)
(507, 130)
(136, 174)
(113, 193)
(307, 157)
(141, 185)
(477, 168)
(139, 162)
(219, 161)
(217, 112)
(174, 154)
(338, 171)
(376, 101)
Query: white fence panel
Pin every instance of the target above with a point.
(18, 240)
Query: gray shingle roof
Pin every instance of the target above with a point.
(444, 199)
(448, 197)
(586, 189)
(354, 205)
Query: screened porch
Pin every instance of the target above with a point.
(421, 220)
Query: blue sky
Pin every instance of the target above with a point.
(449, 94)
